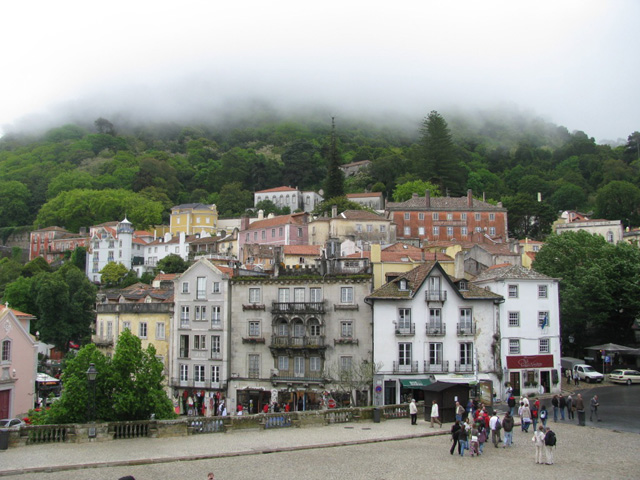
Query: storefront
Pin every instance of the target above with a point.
(532, 374)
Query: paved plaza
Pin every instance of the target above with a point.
(388, 450)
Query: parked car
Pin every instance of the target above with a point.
(11, 422)
(588, 374)
(625, 376)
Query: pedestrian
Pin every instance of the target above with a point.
(508, 392)
(413, 411)
(265, 409)
(455, 437)
(511, 403)
(507, 426)
(555, 404)
(525, 417)
(287, 407)
(496, 426)
(549, 445)
(535, 407)
(473, 441)
(463, 436)
(483, 434)
(538, 441)
(594, 408)
(562, 404)
(239, 410)
(210, 476)
(459, 411)
(580, 410)
(470, 410)
(576, 378)
(435, 415)
(543, 415)
(570, 407)
(567, 374)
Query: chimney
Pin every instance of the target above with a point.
(260, 214)
(334, 211)
(244, 222)
(469, 198)
(427, 198)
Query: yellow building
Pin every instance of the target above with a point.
(528, 249)
(194, 218)
(144, 310)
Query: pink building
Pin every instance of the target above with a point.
(290, 229)
(18, 363)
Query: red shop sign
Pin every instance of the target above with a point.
(529, 361)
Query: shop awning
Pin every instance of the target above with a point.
(416, 383)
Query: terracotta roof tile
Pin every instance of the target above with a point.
(278, 189)
(302, 249)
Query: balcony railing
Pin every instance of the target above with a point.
(436, 295)
(436, 329)
(442, 367)
(463, 367)
(317, 341)
(412, 367)
(406, 329)
(290, 376)
(297, 307)
(184, 323)
(216, 325)
(466, 328)
(103, 340)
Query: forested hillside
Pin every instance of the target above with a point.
(75, 176)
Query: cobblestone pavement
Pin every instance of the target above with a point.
(389, 450)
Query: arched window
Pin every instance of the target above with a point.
(6, 350)
(610, 236)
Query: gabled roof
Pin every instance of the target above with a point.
(278, 189)
(416, 277)
(507, 271)
(295, 218)
(302, 250)
(163, 277)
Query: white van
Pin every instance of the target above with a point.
(587, 373)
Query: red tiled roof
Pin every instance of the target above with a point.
(364, 195)
(278, 189)
(161, 277)
(302, 249)
(279, 220)
(361, 215)
(17, 313)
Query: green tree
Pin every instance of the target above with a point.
(302, 165)
(326, 207)
(14, 207)
(10, 271)
(172, 264)
(112, 274)
(358, 377)
(568, 197)
(20, 295)
(36, 266)
(599, 286)
(405, 191)
(233, 200)
(105, 126)
(619, 201)
(79, 258)
(528, 218)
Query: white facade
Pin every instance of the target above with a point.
(611, 230)
(529, 328)
(199, 348)
(426, 328)
(289, 197)
(167, 245)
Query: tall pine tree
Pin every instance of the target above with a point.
(439, 163)
(334, 184)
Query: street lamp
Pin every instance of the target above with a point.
(92, 373)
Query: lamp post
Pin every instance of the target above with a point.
(92, 373)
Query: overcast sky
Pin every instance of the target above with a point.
(574, 62)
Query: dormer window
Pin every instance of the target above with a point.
(402, 284)
(464, 285)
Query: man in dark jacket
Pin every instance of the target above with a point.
(512, 404)
(507, 426)
(580, 410)
(455, 434)
(562, 404)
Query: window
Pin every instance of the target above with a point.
(402, 284)
(543, 345)
(254, 328)
(273, 233)
(246, 238)
(282, 329)
(514, 319)
(513, 291)
(298, 366)
(407, 231)
(185, 287)
(404, 354)
(254, 295)
(435, 317)
(542, 291)
(184, 346)
(610, 236)
(201, 313)
(143, 330)
(184, 316)
(215, 317)
(466, 318)
(215, 373)
(492, 216)
(345, 363)
(184, 372)
(315, 295)
(283, 295)
(478, 229)
(404, 318)
(280, 231)
(436, 230)
(466, 353)
(346, 329)
(264, 234)
(198, 373)
(126, 326)
(421, 231)
(435, 216)
(315, 364)
(435, 354)
(514, 347)
(369, 228)
(543, 319)
(216, 287)
(358, 228)
(383, 228)
(6, 350)
(215, 346)
(492, 230)
(407, 216)
(160, 331)
(346, 294)
(450, 231)
(298, 295)
(463, 231)
(201, 291)
(449, 216)
(477, 217)
(536, 248)
(314, 329)
(463, 216)
(199, 342)
(283, 363)
(299, 232)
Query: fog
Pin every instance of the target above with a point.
(571, 62)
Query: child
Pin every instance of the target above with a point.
(473, 443)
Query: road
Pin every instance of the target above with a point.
(619, 406)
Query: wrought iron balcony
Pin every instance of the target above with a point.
(297, 307)
(467, 328)
(412, 367)
(299, 377)
(436, 295)
(463, 367)
(406, 329)
(316, 341)
(436, 329)
(442, 367)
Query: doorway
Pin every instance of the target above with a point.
(514, 379)
(545, 380)
(390, 392)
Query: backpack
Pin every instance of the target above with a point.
(550, 439)
(498, 424)
(543, 414)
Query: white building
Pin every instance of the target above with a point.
(199, 350)
(426, 328)
(529, 327)
(289, 197)
(611, 230)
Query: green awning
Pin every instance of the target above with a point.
(416, 383)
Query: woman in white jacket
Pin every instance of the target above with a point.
(538, 440)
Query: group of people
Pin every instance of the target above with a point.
(471, 430)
